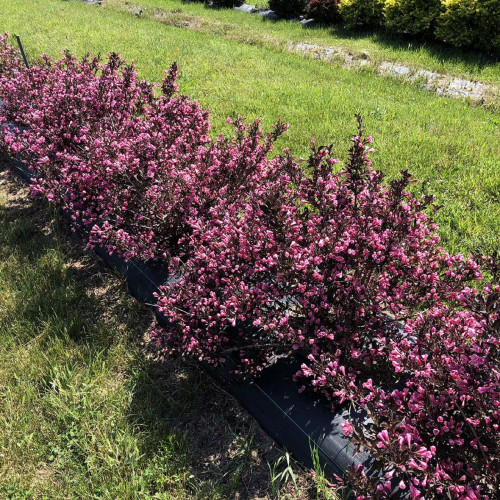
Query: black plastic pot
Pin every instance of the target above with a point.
(300, 422)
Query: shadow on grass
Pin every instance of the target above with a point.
(194, 432)
(415, 44)
(405, 43)
(227, 451)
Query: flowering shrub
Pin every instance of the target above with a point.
(329, 263)
(440, 429)
(328, 266)
(324, 11)
(360, 13)
(94, 127)
(130, 167)
(320, 250)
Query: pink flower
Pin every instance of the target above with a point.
(347, 428)
(272, 258)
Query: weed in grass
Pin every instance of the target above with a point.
(324, 487)
(282, 474)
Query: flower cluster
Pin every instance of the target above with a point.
(435, 419)
(131, 168)
(324, 261)
(347, 272)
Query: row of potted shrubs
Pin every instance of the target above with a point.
(461, 23)
(275, 256)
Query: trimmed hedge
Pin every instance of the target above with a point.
(455, 25)
(461, 23)
(470, 23)
(414, 17)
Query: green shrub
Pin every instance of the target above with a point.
(415, 17)
(456, 23)
(358, 13)
(488, 26)
(470, 23)
(288, 8)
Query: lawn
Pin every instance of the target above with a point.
(449, 144)
(85, 410)
(254, 29)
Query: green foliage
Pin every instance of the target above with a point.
(361, 13)
(414, 17)
(455, 24)
(488, 31)
(69, 425)
(470, 23)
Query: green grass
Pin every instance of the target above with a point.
(378, 46)
(84, 413)
(69, 380)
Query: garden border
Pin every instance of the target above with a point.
(299, 422)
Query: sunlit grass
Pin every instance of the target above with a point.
(378, 46)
